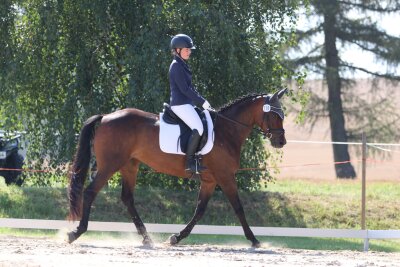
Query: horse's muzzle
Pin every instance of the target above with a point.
(276, 137)
(278, 142)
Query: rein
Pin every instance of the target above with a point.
(231, 120)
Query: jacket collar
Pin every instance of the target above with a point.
(182, 62)
(179, 59)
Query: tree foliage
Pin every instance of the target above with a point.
(343, 24)
(63, 61)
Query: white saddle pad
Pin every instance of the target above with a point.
(169, 135)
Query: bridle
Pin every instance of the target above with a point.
(269, 131)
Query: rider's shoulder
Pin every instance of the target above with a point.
(176, 65)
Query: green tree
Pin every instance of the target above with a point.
(68, 60)
(343, 24)
(6, 53)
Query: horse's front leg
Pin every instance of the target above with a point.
(206, 190)
(229, 187)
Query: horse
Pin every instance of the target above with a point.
(126, 138)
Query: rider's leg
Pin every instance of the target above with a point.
(188, 115)
(191, 161)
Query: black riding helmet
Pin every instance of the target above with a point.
(182, 41)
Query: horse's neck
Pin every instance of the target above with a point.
(242, 121)
(243, 113)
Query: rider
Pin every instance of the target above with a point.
(184, 96)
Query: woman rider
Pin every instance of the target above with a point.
(184, 96)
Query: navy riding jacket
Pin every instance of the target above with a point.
(180, 82)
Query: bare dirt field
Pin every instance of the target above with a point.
(315, 160)
(30, 252)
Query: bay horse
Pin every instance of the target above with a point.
(126, 138)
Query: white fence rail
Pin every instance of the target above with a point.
(205, 229)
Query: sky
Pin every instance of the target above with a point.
(352, 54)
(388, 23)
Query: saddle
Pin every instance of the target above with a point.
(171, 118)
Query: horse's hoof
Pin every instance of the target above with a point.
(147, 242)
(256, 244)
(173, 240)
(71, 237)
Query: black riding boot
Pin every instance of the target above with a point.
(192, 162)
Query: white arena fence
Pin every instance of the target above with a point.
(204, 229)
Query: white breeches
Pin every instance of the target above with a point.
(189, 116)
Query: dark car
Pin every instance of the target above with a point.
(11, 160)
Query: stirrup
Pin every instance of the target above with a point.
(194, 166)
(199, 166)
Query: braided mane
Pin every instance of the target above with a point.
(240, 100)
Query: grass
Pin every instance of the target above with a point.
(338, 203)
(285, 203)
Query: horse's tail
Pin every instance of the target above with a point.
(80, 166)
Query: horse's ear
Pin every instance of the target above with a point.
(277, 95)
(274, 97)
(282, 92)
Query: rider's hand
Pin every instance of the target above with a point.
(206, 105)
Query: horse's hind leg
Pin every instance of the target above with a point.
(206, 190)
(89, 195)
(129, 174)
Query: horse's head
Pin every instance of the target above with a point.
(265, 111)
(271, 122)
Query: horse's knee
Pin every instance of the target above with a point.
(200, 211)
(127, 199)
(124, 199)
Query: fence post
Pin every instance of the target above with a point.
(363, 193)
